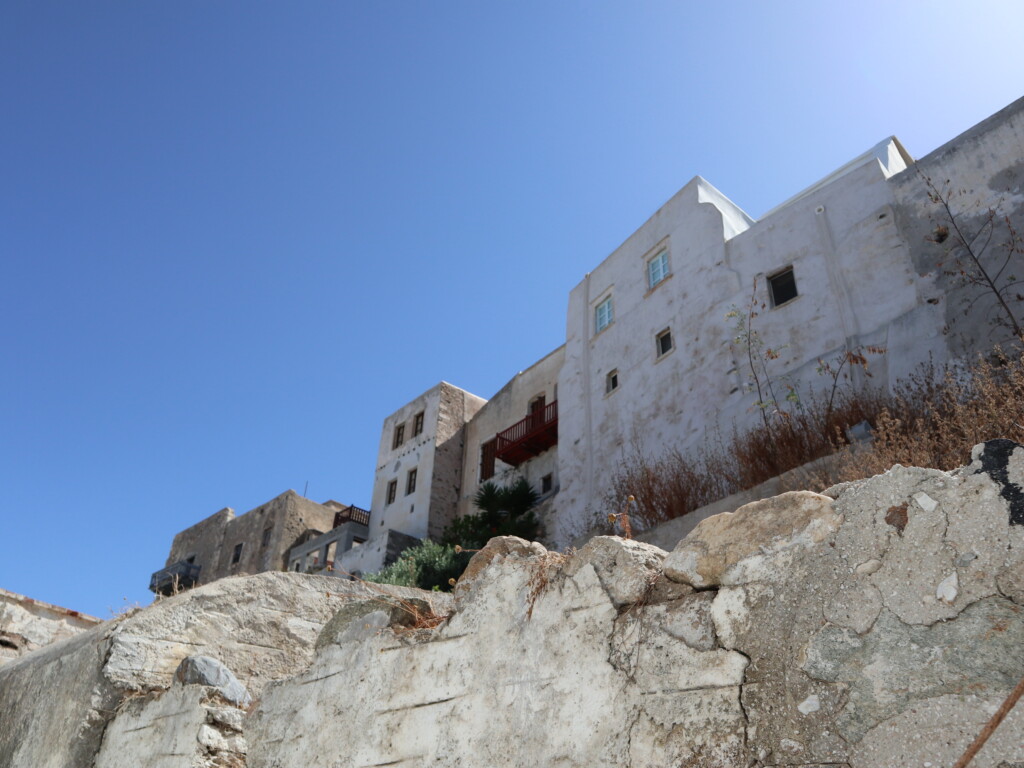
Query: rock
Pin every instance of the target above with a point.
(626, 568)
(359, 619)
(203, 670)
(498, 548)
(750, 543)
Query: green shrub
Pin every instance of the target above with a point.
(427, 565)
(504, 511)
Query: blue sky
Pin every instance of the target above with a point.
(234, 236)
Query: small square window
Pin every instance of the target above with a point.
(664, 342)
(410, 482)
(782, 286)
(417, 424)
(657, 269)
(399, 436)
(392, 492)
(237, 554)
(266, 536)
(546, 483)
(603, 315)
(611, 381)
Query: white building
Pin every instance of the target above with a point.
(647, 359)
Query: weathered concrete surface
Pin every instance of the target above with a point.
(877, 625)
(800, 631)
(538, 668)
(27, 624)
(56, 703)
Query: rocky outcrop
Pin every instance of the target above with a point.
(877, 625)
(27, 625)
(109, 696)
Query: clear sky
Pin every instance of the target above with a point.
(234, 236)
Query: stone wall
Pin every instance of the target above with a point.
(281, 522)
(877, 625)
(27, 624)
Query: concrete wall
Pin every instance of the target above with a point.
(510, 405)
(984, 168)
(854, 278)
(27, 624)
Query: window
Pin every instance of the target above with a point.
(266, 535)
(603, 315)
(392, 492)
(295, 565)
(546, 483)
(237, 554)
(191, 559)
(410, 482)
(782, 286)
(417, 424)
(399, 436)
(657, 269)
(611, 381)
(664, 342)
(487, 451)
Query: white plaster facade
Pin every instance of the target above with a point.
(855, 246)
(510, 405)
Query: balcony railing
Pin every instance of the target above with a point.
(181, 575)
(351, 514)
(529, 437)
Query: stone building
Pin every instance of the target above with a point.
(260, 540)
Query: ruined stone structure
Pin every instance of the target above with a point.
(877, 625)
(260, 540)
(27, 624)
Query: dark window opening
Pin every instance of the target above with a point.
(664, 342)
(190, 559)
(399, 436)
(611, 382)
(410, 482)
(266, 536)
(782, 286)
(392, 492)
(546, 483)
(417, 424)
(487, 451)
(237, 554)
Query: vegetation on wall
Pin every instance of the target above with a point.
(932, 420)
(504, 511)
(427, 565)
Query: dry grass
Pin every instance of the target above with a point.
(544, 568)
(933, 420)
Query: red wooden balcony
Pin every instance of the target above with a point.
(529, 437)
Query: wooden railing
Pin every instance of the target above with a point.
(528, 437)
(351, 514)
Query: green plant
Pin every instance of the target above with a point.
(504, 511)
(427, 565)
